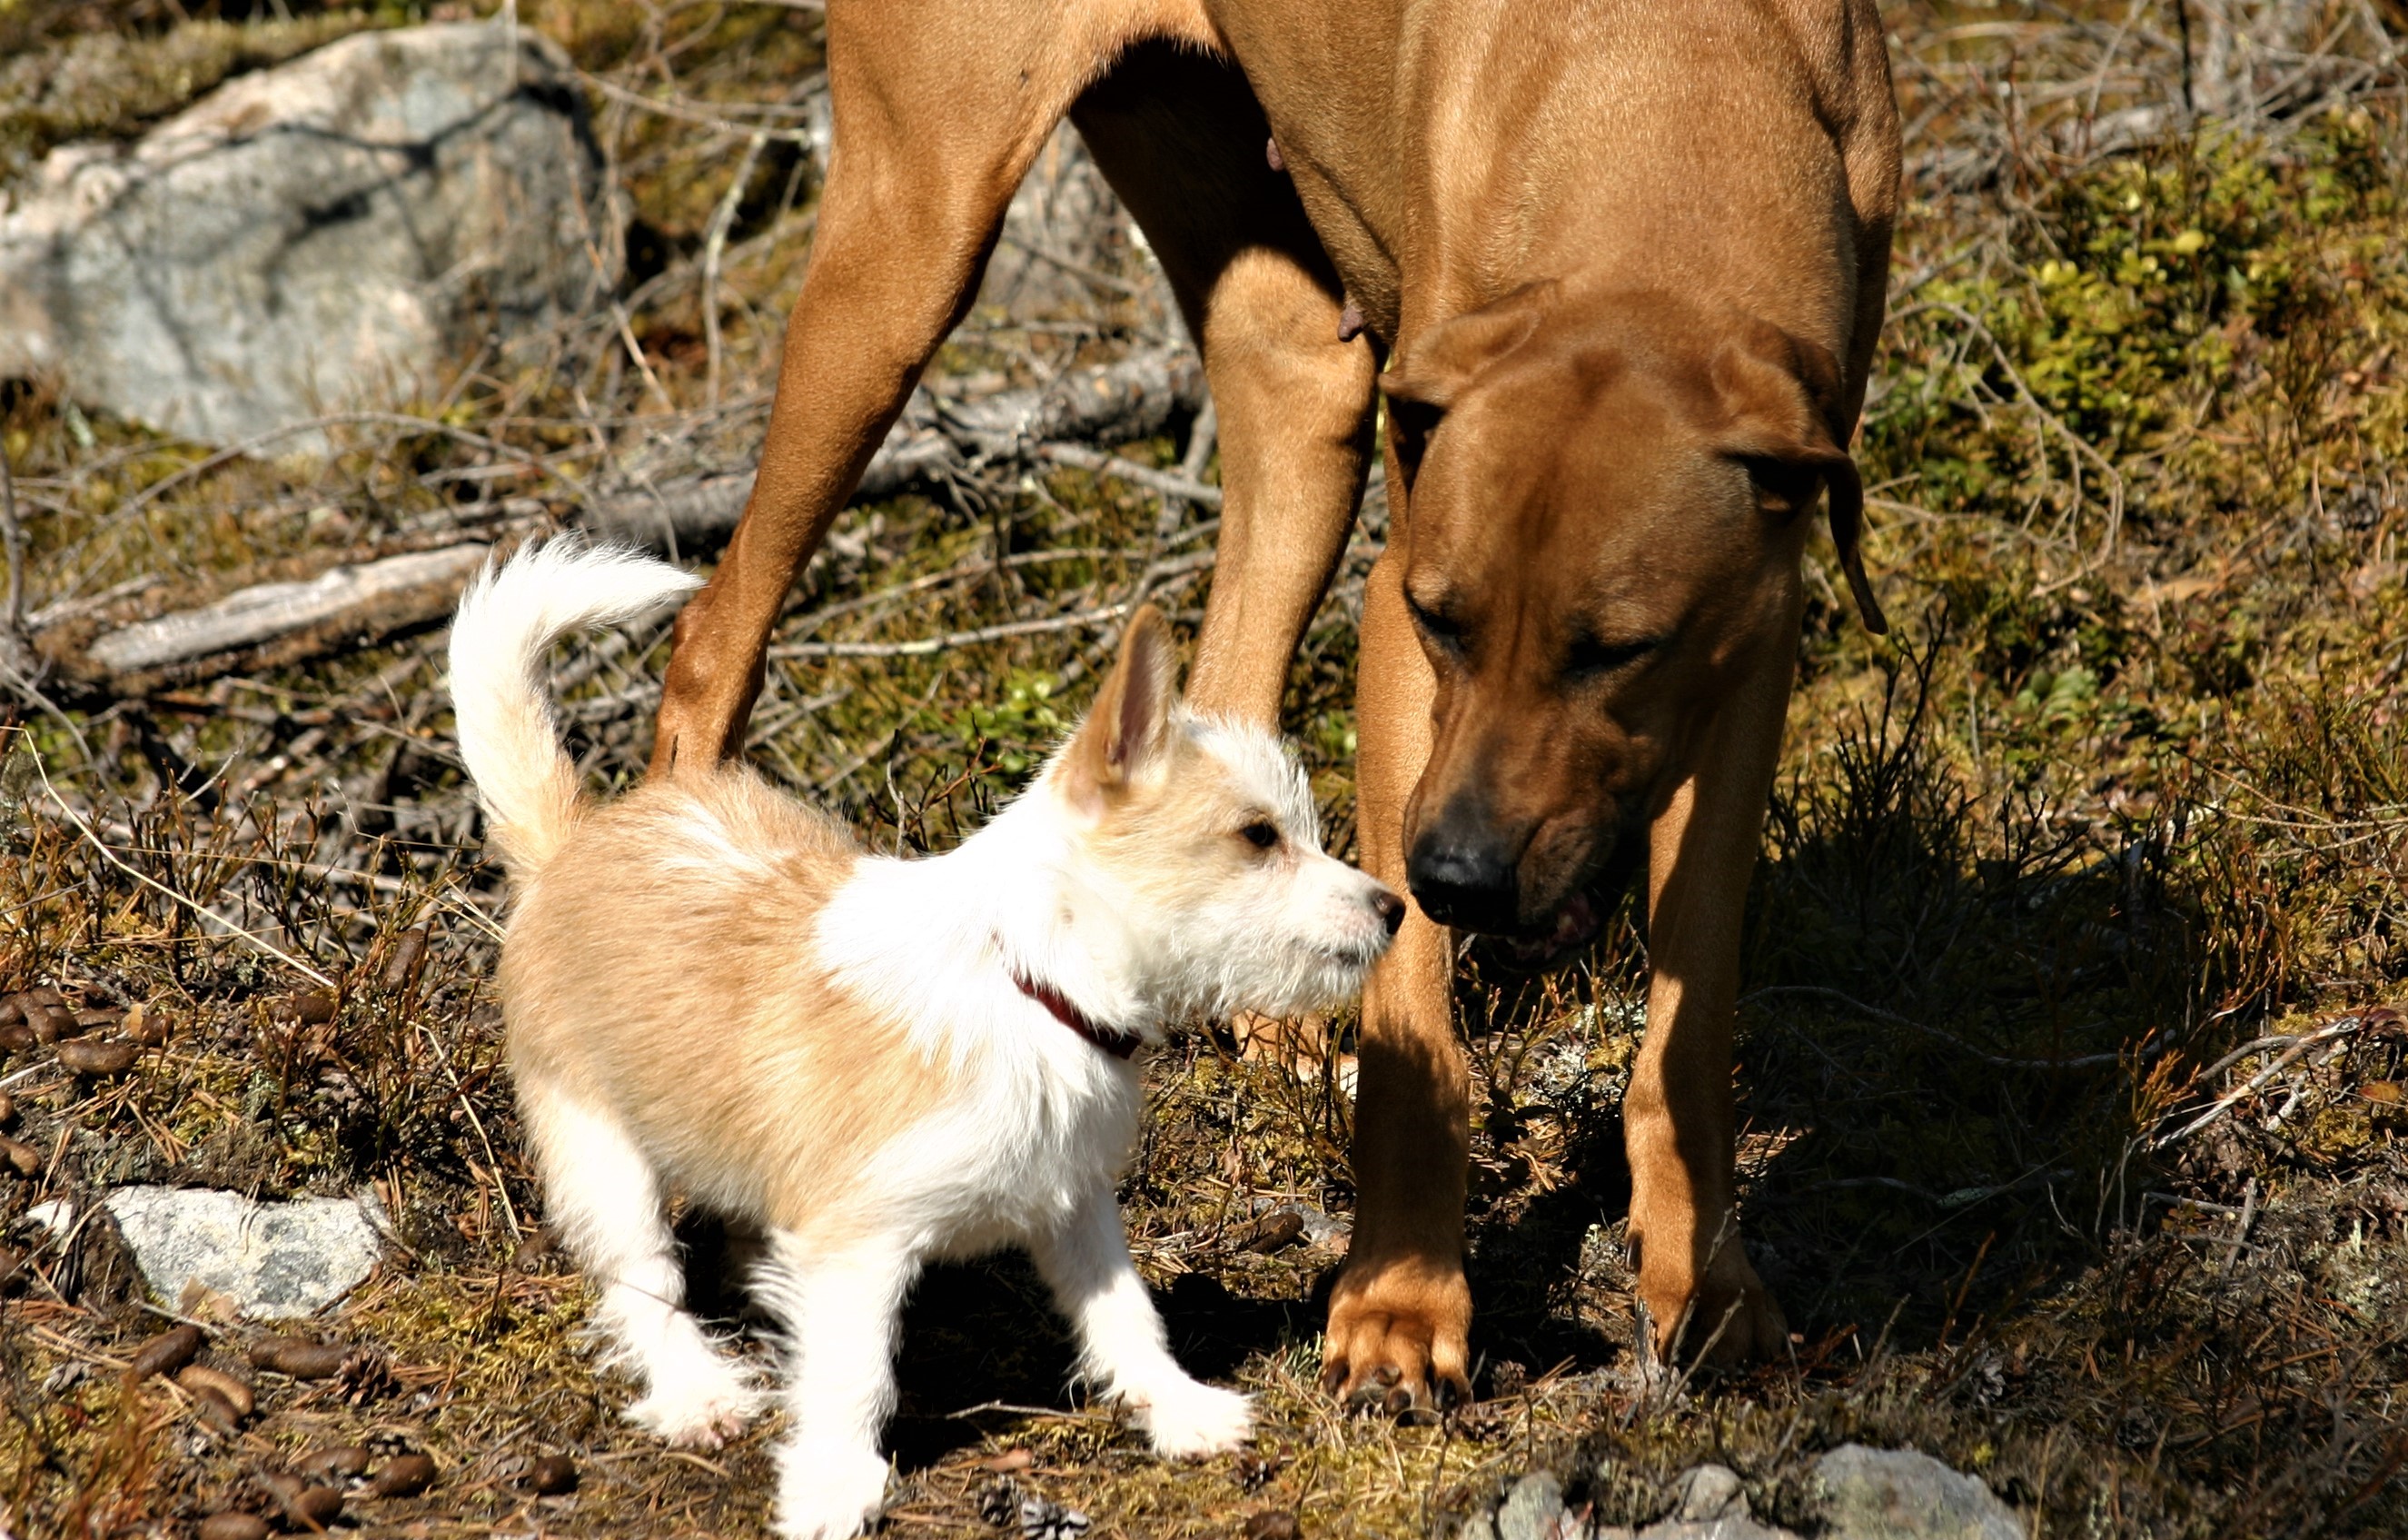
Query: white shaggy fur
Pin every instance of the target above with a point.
(507, 621)
(711, 989)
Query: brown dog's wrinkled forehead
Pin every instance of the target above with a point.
(1630, 439)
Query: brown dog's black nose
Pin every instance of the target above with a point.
(1390, 909)
(1465, 877)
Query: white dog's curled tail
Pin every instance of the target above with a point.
(507, 621)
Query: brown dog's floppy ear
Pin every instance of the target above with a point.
(1131, 722)
(1783, 394)
(1430, 371)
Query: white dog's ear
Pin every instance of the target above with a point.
(1130, 723)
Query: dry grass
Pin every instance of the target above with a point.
(2115, 836)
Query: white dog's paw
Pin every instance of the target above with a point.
(700, 1407)
(1185, 1417)
(829, 1492)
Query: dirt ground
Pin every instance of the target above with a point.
(2071, 1068)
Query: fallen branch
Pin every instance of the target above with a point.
(936, 440)
(271, 624)
(1179, 567)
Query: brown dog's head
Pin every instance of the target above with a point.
(1608, 497)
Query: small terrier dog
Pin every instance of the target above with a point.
(711, 989)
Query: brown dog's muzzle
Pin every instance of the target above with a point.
(1464, 868)
(1544, 885)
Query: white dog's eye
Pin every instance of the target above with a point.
(1262, 834)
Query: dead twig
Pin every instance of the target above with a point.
(199, 910)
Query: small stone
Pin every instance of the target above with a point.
(270, 1259)
(1531, 1508)
(1041, 1518)
(403, 1475)
(553, 1474)
(333, 1465)
(201, 1379)
(1901, 1494)
(167, 1352)
(93, 1057)
(1710, 1492)
(531, 1250)
(22, 1157)
(233, 1526)
(299, 1358)
(1273, 1524)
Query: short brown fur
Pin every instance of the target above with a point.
(1628, 264)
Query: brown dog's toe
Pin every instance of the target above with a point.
(1395, 1339)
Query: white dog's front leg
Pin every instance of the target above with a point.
(841, 1314)
(1121, 1338)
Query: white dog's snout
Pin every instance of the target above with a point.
(1370, 911)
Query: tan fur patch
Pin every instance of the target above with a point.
(660, 967)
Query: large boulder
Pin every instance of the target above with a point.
(323, 236)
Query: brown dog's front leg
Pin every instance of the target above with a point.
(1401, 1313)
(909, 212)
(1701, 1293)
(879, 297)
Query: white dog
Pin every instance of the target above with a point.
(713, 989)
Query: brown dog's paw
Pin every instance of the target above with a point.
(1727, 1318)
(1397, 1337)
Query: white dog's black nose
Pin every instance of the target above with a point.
(1390, 909)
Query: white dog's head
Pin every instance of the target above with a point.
(1200, 839)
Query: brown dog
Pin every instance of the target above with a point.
(1629, 262)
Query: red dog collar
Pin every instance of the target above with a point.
(1117, 1043)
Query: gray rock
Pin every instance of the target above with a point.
(1532, 1510)
(1737, 1526)
(1712, 1504)
(322, 236)
(1710, 1492)
(1899, 1494)
(272, 1260)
